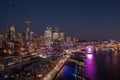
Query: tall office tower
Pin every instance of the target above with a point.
(19, 42)
(74, 40)
(12, 33)
(31, 35)
(55, 34)
(26, 32)
(61, 36)
(42, 41)
(68, 39)
(19, 37)
(6, 36)
(48, 36)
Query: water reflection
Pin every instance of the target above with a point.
(98, 66)
(89, 56)
(90, 67)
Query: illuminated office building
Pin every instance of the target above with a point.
(61, 36)
(10, 35)
(48, 36)
(55, 34)
(68, 39)
(26, 32)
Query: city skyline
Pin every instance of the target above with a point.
(83, 19)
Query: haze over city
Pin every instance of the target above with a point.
(86, 19)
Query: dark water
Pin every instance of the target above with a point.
(67, 73)
(99, 66)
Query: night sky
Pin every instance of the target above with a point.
(86, 19)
